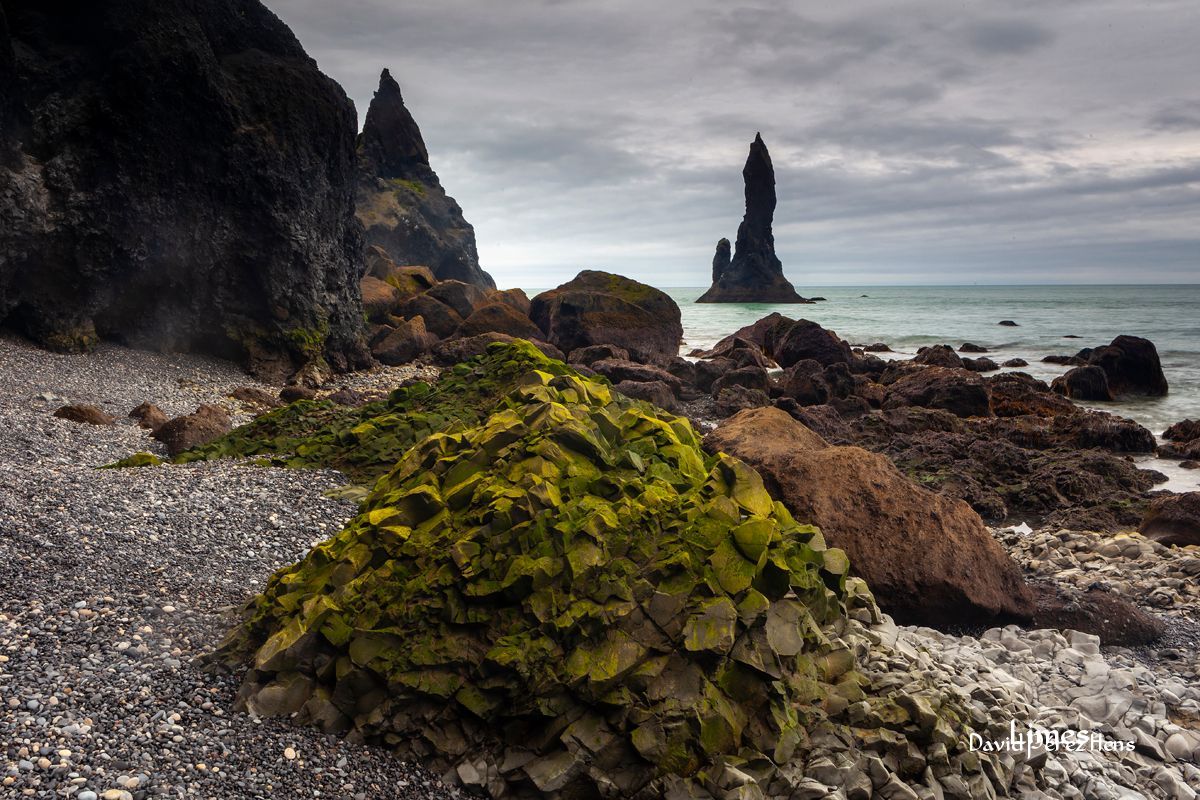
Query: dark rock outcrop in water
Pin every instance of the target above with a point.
(176, 175)
(401, 202)
(754, 273)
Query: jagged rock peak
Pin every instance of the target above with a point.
(754, 273)
(390, 140)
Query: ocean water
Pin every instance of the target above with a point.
(908, 317)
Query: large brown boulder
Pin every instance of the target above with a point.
(202, 426)
(939, 355)
(1018, 394)
(405, 342)
(440, 319)
(379, 298)
(618, 371)
(1173, 519)
(602, 308)
(86, 414)
(958, 391)
(928, 558)
(464, 298)
(498, 317)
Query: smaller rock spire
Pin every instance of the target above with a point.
(390, 141)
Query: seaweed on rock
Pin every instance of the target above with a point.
(568, 597)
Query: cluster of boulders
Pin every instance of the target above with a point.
(178, 434)
(412, 314)
(1006, 443)
(1129, 365)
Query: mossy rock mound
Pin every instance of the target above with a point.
(367, 441)
(567, 599)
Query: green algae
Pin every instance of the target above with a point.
(553, 572)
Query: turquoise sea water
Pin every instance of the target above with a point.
(908, 317)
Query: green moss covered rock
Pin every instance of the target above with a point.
(564, 597)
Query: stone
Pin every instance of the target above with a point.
(960, 392)
(151, 417)
(380, 299)
(617, 371)
(1173, 519)
(968, 347)
(1185, 431)
(735, 398)
(250, 395)
(202, 426)
(85, 414)
(399, 199)
(656, 392)
(939, 355)
(593, 353)
(981, 364)
(1083, 383)
(928, 559)
(1132, 366)
(439, 319)
(498, 317)
(1017, 394)
(751, 377)
(1008, 323)
(753, 274)
(404, 343)
(602, 308)
(290, 394)
(250, 149)
(1016, 362)
(795, 341)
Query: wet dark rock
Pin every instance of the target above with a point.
(1008, 323)
(805, 382)
(178, 177)
(452, 352)
(1184, 431)
(1097, 611)
(596, 352)
(250, 395)
(462, 297)
(85, 413)
(440, 319)
(796, 341)
(1016, 362)
(400, 200)
(1132, 366)
(200, 427)
(619, 371)
(877, 347)
(981, 364)
(968, 347)
(1083, 383)
(602, 308)
(1018, 394)
(751, 377)
(753, 274)
(708, 370)
(380, 299)
(957, 391)
(939, 355)
(738, 398)
(290, 394)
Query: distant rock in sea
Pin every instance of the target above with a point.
(177, 176)
(753, 274)
(401, 202)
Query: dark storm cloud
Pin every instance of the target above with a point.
(1014, 140)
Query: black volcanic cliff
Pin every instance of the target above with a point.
(176, 174)
(754, 273)
(401, 202)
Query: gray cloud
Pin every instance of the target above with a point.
(1008, 141)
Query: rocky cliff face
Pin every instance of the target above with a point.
(754, 274)
(401, 202)
(176, 174)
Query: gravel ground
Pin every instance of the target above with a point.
(113, 581)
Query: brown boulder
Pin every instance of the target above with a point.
(290, 394)
(981, 364)
(498, 317)
(928, 558)
(1173, 520)
(618, 371)
(440, 319)
(150, 416)
(656, 392)
(1083, 383)
(751, 377)
(958, 391)
(1097, 611)
(464, 298)
(512, 297)
(380, 299)
(458, 350)
(406, 341)
(202, 426)
(593, 353)
(968, 347)
(253, 396)
(939, 355)
(602, 308)
(733, 399)
(1018, 394)
(1184, 431)
(805, 382)
(84, 413)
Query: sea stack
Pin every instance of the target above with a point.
(401, 202)
(754, 273)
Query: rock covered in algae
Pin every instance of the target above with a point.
(569, 599)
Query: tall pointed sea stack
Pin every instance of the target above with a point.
(754, 274)
(401, 202)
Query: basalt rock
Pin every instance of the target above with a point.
(202, 426)
(400, 201)
(567, 599)
(1132, 366)
(1083, 383)
(793, 341)
(601, 308)
(86, 414)
(177, 176)
(498, 317)
(928, 558)
(1173, 520)
(754, 273)
(958, 391)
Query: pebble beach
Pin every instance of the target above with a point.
(115, 581)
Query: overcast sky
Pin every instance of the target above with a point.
(920, 142)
